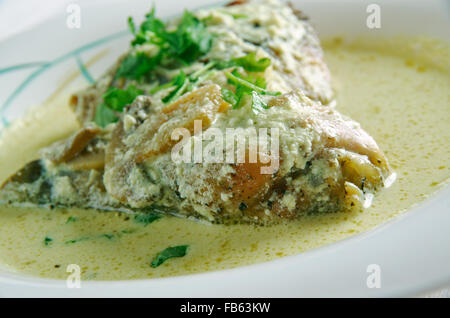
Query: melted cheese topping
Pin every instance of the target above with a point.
(399, 96)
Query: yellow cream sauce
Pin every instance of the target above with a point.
(398, 91)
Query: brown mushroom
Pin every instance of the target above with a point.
(69, 148)
(88, 161)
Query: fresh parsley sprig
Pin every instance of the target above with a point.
(184, 45)
(48, 241)
(190, 40)
(136, 65)
(249, 86)
(248, 62)
(150, 31)
(180, 83)
(183, 83)
(146, 218)
(114, 100)
(249, 83)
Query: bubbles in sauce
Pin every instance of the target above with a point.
(400, 97)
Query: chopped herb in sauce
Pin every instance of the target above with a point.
(71, 219)
(109, 236)
(146, 218)
(174, 251)
(81, 239)
(252, 87)
(48, 241)
(242, 206)
(114, 100)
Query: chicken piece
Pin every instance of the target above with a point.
(318, 160)
(152, 138)
(327, 163)
(70, 172)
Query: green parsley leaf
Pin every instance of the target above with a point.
(246, 87)
(108, 236)
(204, 71)
(185, 44)
(251, 64)
(190, 40)
(71, 219)
(179, 82)
(81, 239)
(135, 66)
(236, 79)
(248, 62)
(146, 218)
(116, 99)
(131, 25)
(174, 251)
(152, 30)
(104, 115)
(183, 83)
(48, 241)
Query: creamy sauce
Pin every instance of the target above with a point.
(400, 96)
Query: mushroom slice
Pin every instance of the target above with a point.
(88, 161)
(66, 150)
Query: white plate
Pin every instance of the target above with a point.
(412, 251)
